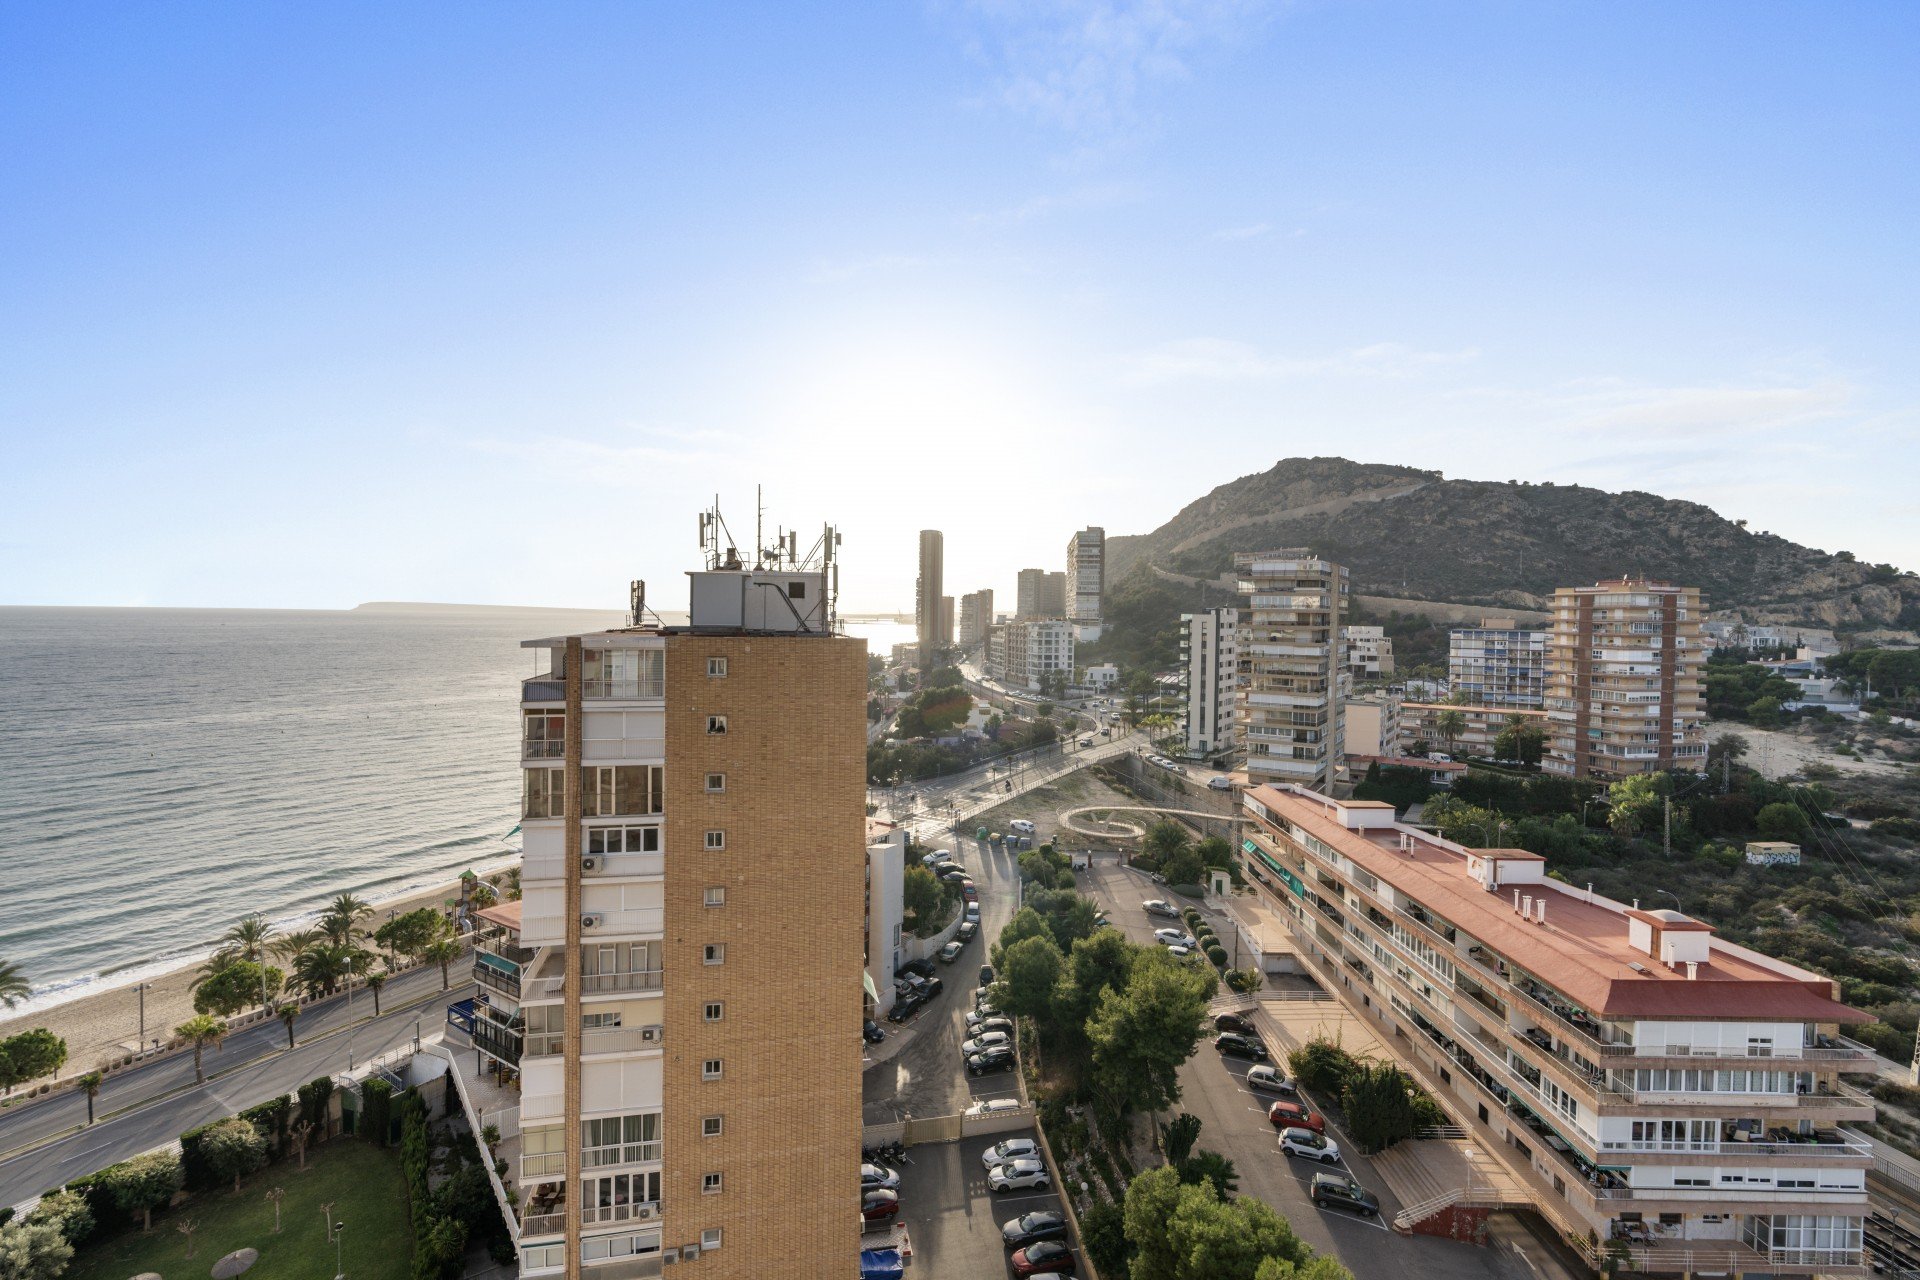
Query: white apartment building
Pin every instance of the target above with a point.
(643, 1009)
(1499, 664)
(886, 911)
(1650, 1084)
(1019, 654)
(1210, 671)
(1369, 652)
(976, 615)
(1287, 703)
(1086, 579)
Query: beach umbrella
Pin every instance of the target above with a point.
(234, 1263)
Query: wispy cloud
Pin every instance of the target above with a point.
(1225, 360)
(1096, 196)
(1082, 64)
(840, 270)
(1675, 416)
(1252, 232)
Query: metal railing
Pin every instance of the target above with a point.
(621, 1153)
(639, 1211)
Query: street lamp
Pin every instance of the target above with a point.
(1678, 905)
(339, 1272)
(142, 988)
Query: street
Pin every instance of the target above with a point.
(160, 1101)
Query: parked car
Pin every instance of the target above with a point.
(1179, 951)
(933, 985)
(1018, 1173)
(973, 913)
(1173, 938)
(953, 875)
(986, 1025)
(879, 1204)
(1233, 1022)
(993, 1107)
(1013, 1149)
(999, 1058)
(950, 952)
(969, 891)
(986, 974)
(1160, 907)
(985, 1013)
(904, 1005)
(1269, 1079)
(1338, 1191)
(878, 1176)
(1235, 1045)
(990, 1040)
(1284, 1115)
(872, 1032)
(1023, 826)
(980, 996)
(924, 968)
(938, 855)
(1221, 783)
(1031, 1228)
(968, 931)
(1309, 1145)
(1047, 1258)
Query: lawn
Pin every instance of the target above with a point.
(363, 1184)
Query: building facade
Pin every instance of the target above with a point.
(1499, 664)
(1625, 670)
(665, 768)
(886, 911)
(1020, 654)
(1369, 652)
(1040, 595)
(1086, 579)
(929, 589)
(1650, 1084)
(1475, 734)
(1210, 672)
(1371, 725)
(1287, 699)
(976, 615)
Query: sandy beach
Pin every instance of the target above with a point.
(105, 1022)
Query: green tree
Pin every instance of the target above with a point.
(1210, 1167)
(1728, 747)
(1227, 1240)
(410, 934)
(89, 1084)
(375, 981)
(1142, 1034)
(1632, 803)
(1183, 867)
(32, 1250)
(1103, 1233)
(1519, 739)
(1319, 1267)
(1764, 712)
(443, 952)
(237, 985)
(1450, 725)
(67, 1210)
(1178, 1135)
(30, 1055)
(1378, 1100)
(201, 1031)
(1165, 839)
(340, 922)
(289, 1014)
(923, 901)
(1026, 923)
(1145, 1212)
(322, 968)
(14, 986)
(249, 938)
(143, 1184)
(1322, 1065)
(1782, 820)
(1029, 971)
(233, 1149)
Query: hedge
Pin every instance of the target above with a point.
(376, 1122)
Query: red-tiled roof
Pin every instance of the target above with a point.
(505, 914)
(1582, 950)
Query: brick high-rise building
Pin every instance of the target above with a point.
(1498, 664)
(1287, 705)
(647, 1003)
(1625, 669)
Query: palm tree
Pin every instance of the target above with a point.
(443, 951)
(341, 920)
(203, 1031)
(319, 969)
(13, 985)
(291, 945)
(289, 1014)
(375, 981)
(89, 1084)
(483, 895)
(249, 938)
(1451, 725)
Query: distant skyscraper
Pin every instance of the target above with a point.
(1291, 660)
(1209, 645)
(1499, 664)
(1086, 574)
(1033, 585)
(976, 615)
(946, 620)
(927, 592)
(1625, 662)
(1053, 596)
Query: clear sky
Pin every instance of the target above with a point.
(311, 304)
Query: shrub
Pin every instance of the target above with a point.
(1322, 1065)
(1217, 954)
(1379, 1106)
(33, 1251)
(377, 1122)
(1189, 890)
(1103, 1233)
(232, 1149)
(272, 1119)
(315, 1097)
(67, 1210)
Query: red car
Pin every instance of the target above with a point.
(1285, 1115)
(1047, 1258)
(879, 1204)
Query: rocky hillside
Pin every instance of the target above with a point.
(1416, 535)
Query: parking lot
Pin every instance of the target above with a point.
(952, 1217)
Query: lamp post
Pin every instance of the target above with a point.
(339, 1273)
(1678, 906)
(142, 988)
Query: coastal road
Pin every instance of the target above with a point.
(143, 1107)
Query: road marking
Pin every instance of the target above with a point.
(1355, 1218)
(1002, 1198)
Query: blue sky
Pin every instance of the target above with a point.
(308, 305)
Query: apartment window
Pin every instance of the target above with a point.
(711, 1126)
(545, 794)
(714, 953)
(716, 724)
(606, 790)
(599, 1021)
(715, 1011)
(716, 896)
(716, 668)
(710, 1069)
(716, 782)
(710, 1238)
(630, 1139)
(623, 840)
(710, 1183)
(716, 839)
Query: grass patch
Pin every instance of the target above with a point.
(363, 1184)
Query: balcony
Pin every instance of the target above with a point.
(621, 1153)
(547, 1044)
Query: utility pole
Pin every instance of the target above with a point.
(1666, 803)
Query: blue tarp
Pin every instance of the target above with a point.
(881, 1264)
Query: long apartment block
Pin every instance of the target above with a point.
(642, 1015)
(1287, 694)
(1625, 692)
(1654, 1085)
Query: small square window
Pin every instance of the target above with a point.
(716, 668)
(716, 839)
(716, 724)
(796, 591)
(710, 1238)
(710, 1069)
(714, 953)
(711, 1126)
(716, 782)
(710, 1183)
(715, 1011)
(716, 895)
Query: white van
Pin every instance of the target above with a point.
(1221, 783)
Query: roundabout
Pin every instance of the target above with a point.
(1081, 823)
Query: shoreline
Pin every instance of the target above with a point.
(99, 1015)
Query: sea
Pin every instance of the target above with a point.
(164, 772)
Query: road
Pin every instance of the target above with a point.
(1233, 1122)
(143, 1107)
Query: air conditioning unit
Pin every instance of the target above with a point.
(590, 863)
(653, 1034)
(592, 920)
(689, 1252)
(644, 1213)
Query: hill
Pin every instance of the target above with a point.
(1415, 535)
